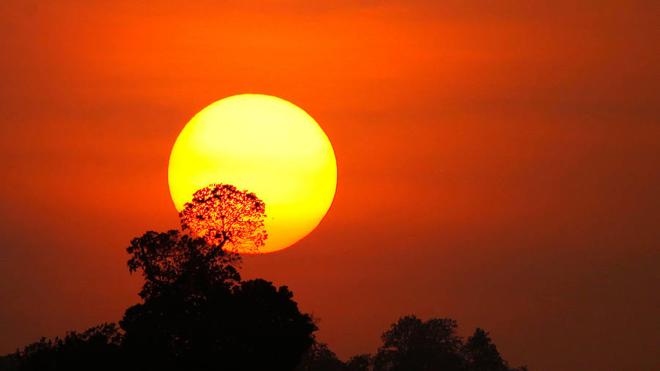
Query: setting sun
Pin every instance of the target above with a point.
(262, 144)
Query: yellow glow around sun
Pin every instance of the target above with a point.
(265, 145)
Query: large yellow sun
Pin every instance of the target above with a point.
(265, 145)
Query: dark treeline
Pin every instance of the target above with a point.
(197, 313)
(409, 345)
(415, 345)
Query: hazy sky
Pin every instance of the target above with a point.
(498, 163)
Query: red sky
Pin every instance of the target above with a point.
(498, 163)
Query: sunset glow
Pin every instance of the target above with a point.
(489, 162)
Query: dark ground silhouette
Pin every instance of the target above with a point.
(197, 314)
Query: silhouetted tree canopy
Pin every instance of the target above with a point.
(481, 354)
(98, 348)
(412, 344)
(197, 314)
(361, 362)
(320, 358)
(176, 261)
(415, 345)
(223, 215)
(9, 362)
(105, 348)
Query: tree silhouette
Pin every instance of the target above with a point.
(415, 345)
(176, 261)
(481, 353)
(411, 344)
(183, 277)
(223, 215)
(320, 358)
(360, 362)
(97, 348)
(9, 362)
(197, 314)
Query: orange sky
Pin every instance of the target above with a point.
(498, 164)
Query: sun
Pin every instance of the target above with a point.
(265, 145)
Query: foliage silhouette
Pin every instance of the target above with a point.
(481, 354)
(97, 348)
(411, 344)
(197, 314)
(320, 358)
(197, 311)
(104, 348)
(360, 362)
(176, 261)
(9, 362)
(223, 215)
